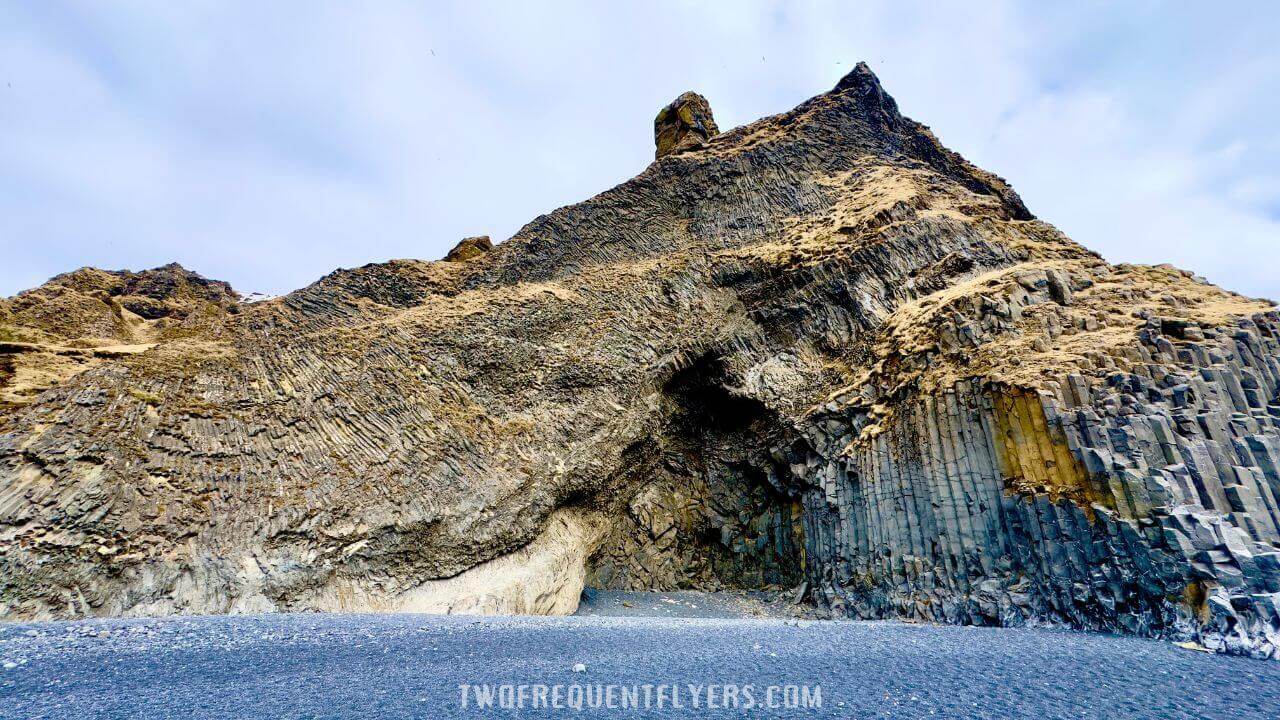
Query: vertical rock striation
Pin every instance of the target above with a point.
(820, 350)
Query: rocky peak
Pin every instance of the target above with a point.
(824, 352)
(469, 248)
(863, 83)
(861, 77)
(685, 123)
(91, 304)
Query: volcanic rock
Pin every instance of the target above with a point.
(469, 248)
(818, 351)
(685, 123)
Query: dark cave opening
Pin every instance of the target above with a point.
(710, 504)
(705, 403)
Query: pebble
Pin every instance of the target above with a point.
(920, 670)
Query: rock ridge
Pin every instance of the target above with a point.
(819, 351)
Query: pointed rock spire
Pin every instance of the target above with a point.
(862, 82)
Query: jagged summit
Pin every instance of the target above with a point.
(819, 351)
(834, 133)
(112, 304)
(864, 80)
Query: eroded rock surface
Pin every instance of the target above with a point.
(819, 351)
(684, 124)
(469, 248)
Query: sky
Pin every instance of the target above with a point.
(268, 144)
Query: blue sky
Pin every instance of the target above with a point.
(268, 143)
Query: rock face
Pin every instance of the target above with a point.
(80, 319)
(818, 351)
(684, 124)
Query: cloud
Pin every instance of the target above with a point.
(268, 143)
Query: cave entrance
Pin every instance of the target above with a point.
(708, 502)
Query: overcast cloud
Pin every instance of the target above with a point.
(269, 143)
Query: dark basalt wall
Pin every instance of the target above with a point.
(1142, 501)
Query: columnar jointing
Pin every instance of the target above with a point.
(817, 351)
(1146, 503)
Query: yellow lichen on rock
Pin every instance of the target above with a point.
(1034, 457)
(685, 123)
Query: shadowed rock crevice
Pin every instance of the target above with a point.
(711, 508)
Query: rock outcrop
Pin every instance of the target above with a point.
(818, 351)
(469, 248)
(684, 124)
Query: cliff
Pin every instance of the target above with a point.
(817, 351)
